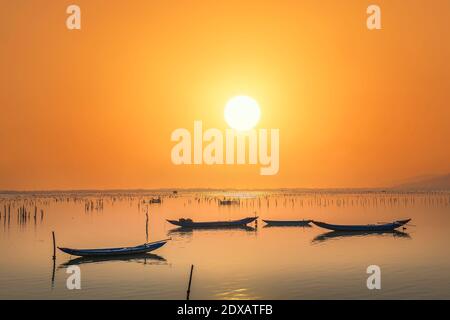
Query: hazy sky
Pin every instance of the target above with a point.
(95, 108)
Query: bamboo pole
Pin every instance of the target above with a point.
(190, 281)
(146, 226)
(54, 245)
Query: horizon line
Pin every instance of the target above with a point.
(380, 189)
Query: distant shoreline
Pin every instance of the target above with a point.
(422, 184)
(191, 190)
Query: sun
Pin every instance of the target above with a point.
(242, 113)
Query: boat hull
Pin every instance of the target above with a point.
(371, 227)
(217, 224)
(108, 252)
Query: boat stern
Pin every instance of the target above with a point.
(175, 222)
(403, 222)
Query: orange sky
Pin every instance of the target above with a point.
(95, 108)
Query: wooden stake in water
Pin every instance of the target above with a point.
(54, 245)
(190, 281)
(146, 228)
(53, 274)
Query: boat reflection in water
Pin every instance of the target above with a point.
(287, 225)
(190, 231)
(335, 235)
(144, 258)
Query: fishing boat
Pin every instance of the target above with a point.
(188, 223)
(288, 223)
(155, 200)
(228, 202)
(147, 247)
(369, 227)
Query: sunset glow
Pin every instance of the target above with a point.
(95, 108)
(203, 152)
(242, 113)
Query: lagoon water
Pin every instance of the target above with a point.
(253, 263)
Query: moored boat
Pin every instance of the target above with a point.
(228, 202)
(155, 200)
(147, 247)
(188, 223)
(288, 223)
(369, 227)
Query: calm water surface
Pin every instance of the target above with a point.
(254, 263)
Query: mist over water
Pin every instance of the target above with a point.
(245, 263)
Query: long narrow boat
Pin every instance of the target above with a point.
(188, 223)
(288, 223)
(147, 247)
(370, 227)
(228, 202)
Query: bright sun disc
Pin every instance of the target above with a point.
(242, 113)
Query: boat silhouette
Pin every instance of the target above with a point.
(188, 223)
(368, 227)
(112, 252)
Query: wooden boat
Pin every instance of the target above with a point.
(188, 223)
(370, 227)
(155, 200)
(288, 223)
(227, 202)
(147, 247)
